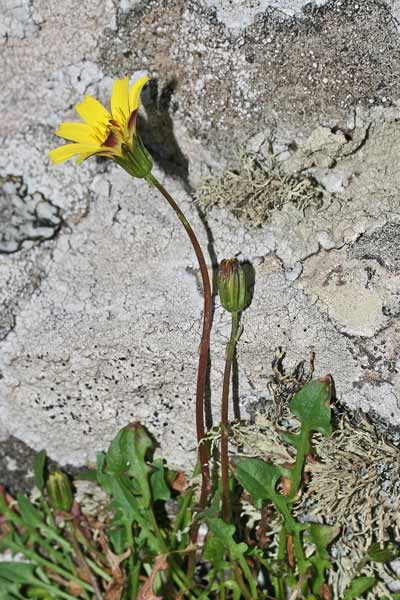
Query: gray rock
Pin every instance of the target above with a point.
(24, 218)
(238, 15)
(381, 245)
(100, 318)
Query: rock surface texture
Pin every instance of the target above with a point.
(100, 298)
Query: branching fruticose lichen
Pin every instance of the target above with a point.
(356, 484)
(357, 480)
(255, 189)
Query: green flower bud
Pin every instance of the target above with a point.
(60, 491)
(232, 285)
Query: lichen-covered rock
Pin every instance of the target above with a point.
(25, 218)
(286, 112)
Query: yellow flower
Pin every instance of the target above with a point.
(102, 133)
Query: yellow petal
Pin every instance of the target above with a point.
(134, 95)
(107, 153)
(63, 153)
(77, 132)
(92, 111)
(120, 100)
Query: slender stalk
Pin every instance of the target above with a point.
(222, 586)
(229, 354)
(134, 572)
(204, 345)
(279, 584)
(298, 550)
(249, 576)
(243, 587)
(180, 518)
(303, 448)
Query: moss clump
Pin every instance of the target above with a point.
(255, 189)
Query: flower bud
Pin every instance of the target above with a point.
(60, 491)
(232, 285)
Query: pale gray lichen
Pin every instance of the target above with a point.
(349, 561)
(355, 483)
(255, 189)
(356, 480)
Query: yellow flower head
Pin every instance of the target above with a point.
(107, 134)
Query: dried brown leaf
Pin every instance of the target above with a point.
(290, 552)
(284, 485)
(325, 592)
(146, 592)
(115, 591)
(180, 482)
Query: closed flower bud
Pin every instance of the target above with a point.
(232, 285)
(60, 491)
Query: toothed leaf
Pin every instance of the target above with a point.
(312, 405)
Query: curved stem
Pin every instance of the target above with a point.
(204, 345)
(229, 354)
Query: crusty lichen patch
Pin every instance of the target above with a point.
(25, 218)
(255, 189)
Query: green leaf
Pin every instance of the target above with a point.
(39, 465)
(31, 516)
(87, 475)
(119, 538)
(291, 438)
(17, 572)
(214, 552)
(104, 480)
(123, 497)
(224, 533)
(9, 590)
(358, 587)
(232, 585)
(322, 536)
(159, 488)
(127, 454)
(136, 444)
(39, 593)
(130, 445)
(132, 509)
(116, 462)
(258, 478)
(312, 405)
(388, 553)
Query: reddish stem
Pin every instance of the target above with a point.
(204, 344)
